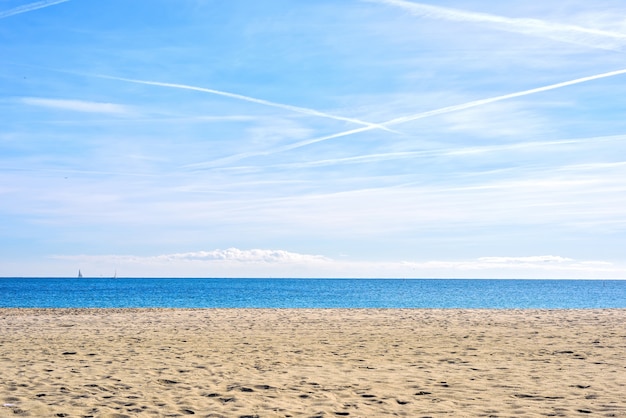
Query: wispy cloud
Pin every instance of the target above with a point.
(463, 152)
(241, 156)
(531, 259)
(296, 109)
(595, 38)
(410, 118)
(77, 105)
(529, 266)
(30, 7)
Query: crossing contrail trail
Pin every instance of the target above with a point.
(595, 38)
(297, 109)
(463, 106)
(410, 118)
(30, 7)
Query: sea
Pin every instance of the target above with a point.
(310, 293)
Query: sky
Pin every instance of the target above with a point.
(352, 138)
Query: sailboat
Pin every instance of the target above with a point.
(80, 275)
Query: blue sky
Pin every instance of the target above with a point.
(375, 138)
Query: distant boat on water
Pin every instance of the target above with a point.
(80, 274)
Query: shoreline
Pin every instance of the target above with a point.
(324, 362)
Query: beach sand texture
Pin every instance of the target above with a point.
(312, 363)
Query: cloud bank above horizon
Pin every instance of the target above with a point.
(234, 262)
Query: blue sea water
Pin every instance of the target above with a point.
(310, 293)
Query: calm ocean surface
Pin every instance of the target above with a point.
(310, 293)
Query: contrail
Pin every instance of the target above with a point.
(481, 102)
(596, 38)
(410, 118)
(291, 108)
(30, 7)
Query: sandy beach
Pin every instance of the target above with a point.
(312, 363)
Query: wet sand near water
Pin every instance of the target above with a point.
(312, 363)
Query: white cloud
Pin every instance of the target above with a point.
(506, 120)
(77, 105)
(244, 256)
